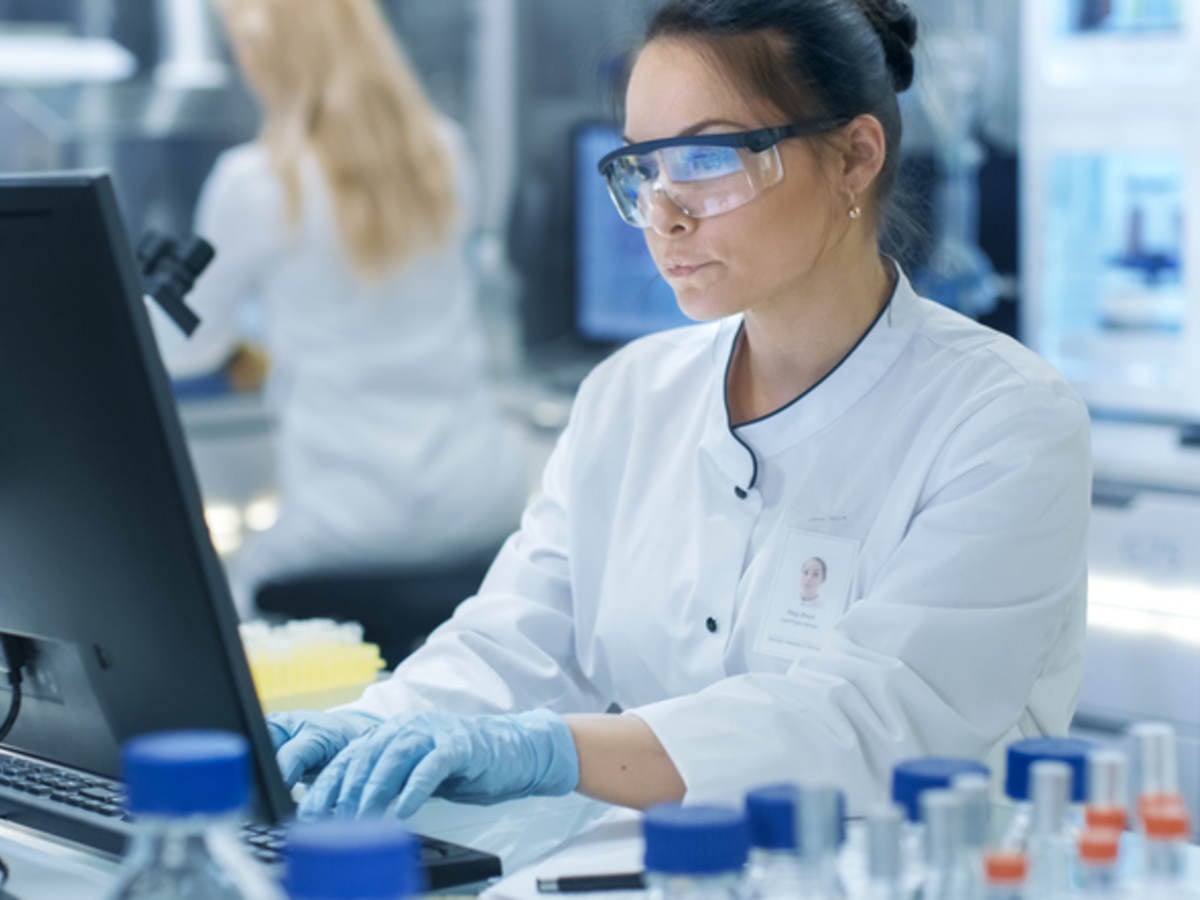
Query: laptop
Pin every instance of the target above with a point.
(109, 585)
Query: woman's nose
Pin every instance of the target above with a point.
(665, 215)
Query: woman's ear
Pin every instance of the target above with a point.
(864, 151)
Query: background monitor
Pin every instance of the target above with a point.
(1111, 283)
(1128, 16)
(1110, 173)
(105, 563)
(619, 294)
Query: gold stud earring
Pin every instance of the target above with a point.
(856, 212)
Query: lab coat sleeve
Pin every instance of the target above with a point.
(511, 647)
(939, 654)
(239, 213)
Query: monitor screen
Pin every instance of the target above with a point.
(1114, 282)
(112, 600)
(1120, 16)
(619, 294)
(107, 574)
(1109, 254)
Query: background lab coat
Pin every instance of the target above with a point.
(390, 446)
(956, 460)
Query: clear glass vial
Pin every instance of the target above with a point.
(694, 852)
(774, 867)
(187, 792)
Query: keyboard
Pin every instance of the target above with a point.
(89, 809)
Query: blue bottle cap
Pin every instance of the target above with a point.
(1023, 754)
(771, 812)
(352, 859)
(913, 777)
(694, 840)
(186, 773)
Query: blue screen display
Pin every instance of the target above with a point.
(1122, 16)
(1114, 313)
(619, 294)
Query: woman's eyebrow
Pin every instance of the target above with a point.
(699, 126)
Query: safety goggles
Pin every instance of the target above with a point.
(703, 175)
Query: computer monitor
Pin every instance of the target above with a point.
(105, 562)
(619, 294)
(1110, 263)
(106, 569)
(1127, 16)
(1114, 285)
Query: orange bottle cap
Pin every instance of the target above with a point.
(1149, 802)
(1113, 818)
(1166, 822)
(1005, 866)
(1099, 845)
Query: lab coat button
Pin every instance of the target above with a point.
(711, 624)
(741, 493)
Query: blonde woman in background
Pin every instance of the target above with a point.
(347, 220)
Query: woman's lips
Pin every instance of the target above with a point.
(683, 270)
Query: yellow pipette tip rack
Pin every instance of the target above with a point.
(309, 663)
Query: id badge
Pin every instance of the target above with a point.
(809, 593)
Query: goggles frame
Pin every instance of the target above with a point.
(756, 141)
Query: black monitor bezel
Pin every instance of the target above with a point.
(94, 191)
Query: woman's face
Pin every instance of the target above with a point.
(250, 35)
(750, 257)
(812, 576)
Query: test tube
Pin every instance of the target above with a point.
(884, 863)
(1051, 794)
(1108, 790)
(1157, 766)
(974, 791)
(942, 812)
(819, 834)
(1050, 842)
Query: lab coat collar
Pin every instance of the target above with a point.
(720, 444)
(848, 383)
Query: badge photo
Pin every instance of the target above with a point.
(808, 594)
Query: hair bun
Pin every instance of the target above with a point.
(896, 26)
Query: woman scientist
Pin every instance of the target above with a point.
(347, 218)
(822, 409)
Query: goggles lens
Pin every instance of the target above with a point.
(702, 180)
(691, 163)
(702, 176)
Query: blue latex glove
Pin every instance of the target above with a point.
(305, 740)
(472, 759)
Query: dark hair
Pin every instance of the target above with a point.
(843, 58)
(824, 570)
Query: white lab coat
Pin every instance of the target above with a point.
(390, 446)
(942, 472)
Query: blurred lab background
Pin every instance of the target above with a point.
(1051, 160)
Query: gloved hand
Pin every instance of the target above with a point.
(474, 759)
(305, 740)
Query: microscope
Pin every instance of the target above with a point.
(169, 270)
